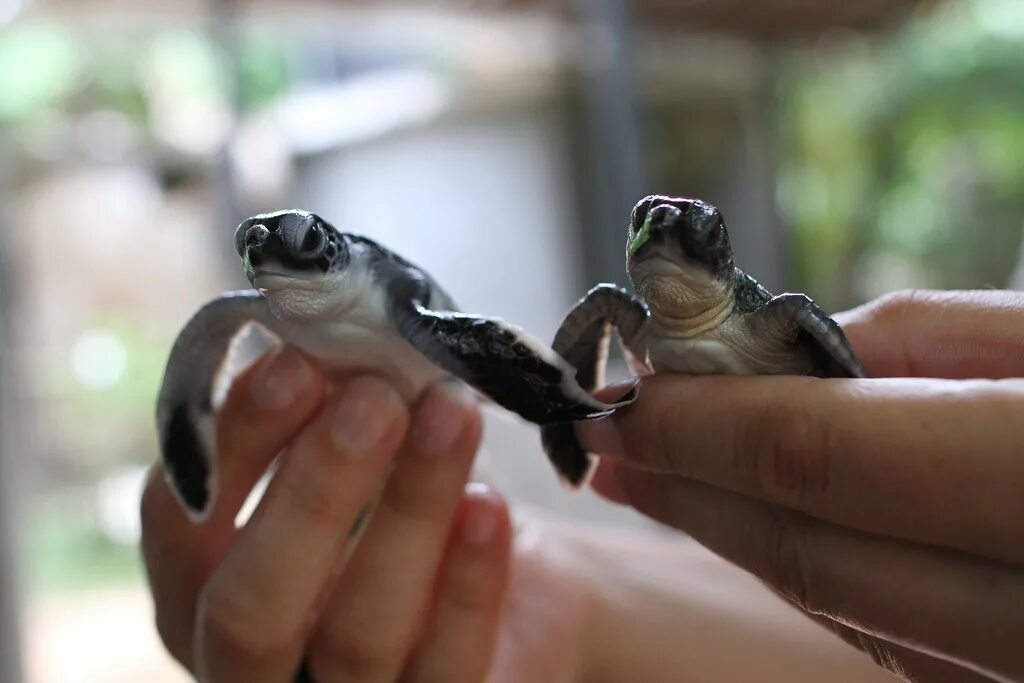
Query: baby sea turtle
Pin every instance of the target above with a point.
(353, 305)
(694, 312)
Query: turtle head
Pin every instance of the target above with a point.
(291, 256)
(678, 253)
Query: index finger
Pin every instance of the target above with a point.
(952, 334)
(179, 554)
(934, 461)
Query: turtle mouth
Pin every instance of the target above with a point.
(271, 280)
(660, 268)
(659, 265)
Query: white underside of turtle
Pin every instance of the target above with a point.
(354, 306)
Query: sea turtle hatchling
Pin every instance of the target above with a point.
(353, 305)
(694, 312)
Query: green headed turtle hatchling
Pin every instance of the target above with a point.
(693, 312)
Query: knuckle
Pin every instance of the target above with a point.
(782, 560)
(473, 594)
(310, 482)
(783, 453)
(666, 446)
(314, 497)
(232, 625)
(350, 652)
(413, 499)
(897, 305)
(880, 654)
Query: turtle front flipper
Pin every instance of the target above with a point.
(185, 407)
(516, 370)
(583, 339)
(820, 334)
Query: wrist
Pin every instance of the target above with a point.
(661, 608)
(614, 586)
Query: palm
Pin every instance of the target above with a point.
(544, 617)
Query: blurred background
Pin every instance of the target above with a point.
(854, 148)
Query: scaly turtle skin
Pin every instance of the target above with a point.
(353, 305)
(694, 312)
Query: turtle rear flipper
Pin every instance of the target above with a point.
(824, 338)
(186, 404)
(583, 339)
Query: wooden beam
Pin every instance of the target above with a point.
(760, 20)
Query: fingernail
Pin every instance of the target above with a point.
(367, 409)
(483, 516)
(607, 483)
(601, 436)
(440, 419)
(281, 380)
(620, 391)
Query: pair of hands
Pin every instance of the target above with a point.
(890, 510)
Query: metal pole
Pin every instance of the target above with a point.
(222, 27)
(612, 172)
(10, 638)
(761, 242)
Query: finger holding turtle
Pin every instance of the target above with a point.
(256, 602)
(891, 505)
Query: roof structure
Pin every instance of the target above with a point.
(775, 20)
(760, 20)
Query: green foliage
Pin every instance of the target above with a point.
(46, 67)
(66, 553)
(41, 65)
(262, 73)
(904, 155)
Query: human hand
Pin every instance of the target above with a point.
(420, 595)
(889, 509)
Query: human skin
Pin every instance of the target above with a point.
(436, 589)
(890, 509)
(422, 591)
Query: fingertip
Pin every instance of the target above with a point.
(484, 519)
(601, 437)
(281, 381)
(627, 389)
(368, 416)
(267, 405)
(446, 420)
(462, 632)
(608, 484)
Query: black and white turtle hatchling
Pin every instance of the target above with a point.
(351, 304)
(694, 312)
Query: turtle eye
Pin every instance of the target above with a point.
(704, 218)
(313, 239)
(240, 237)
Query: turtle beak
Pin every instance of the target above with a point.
(654, 225)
